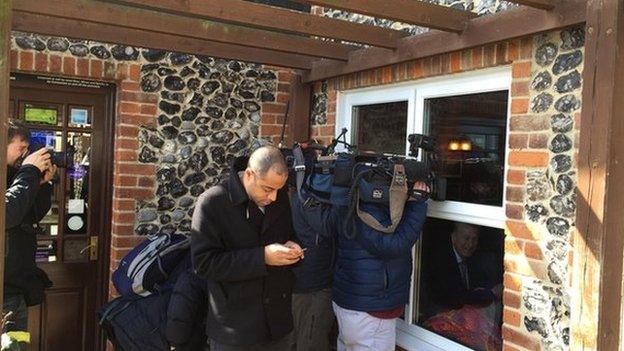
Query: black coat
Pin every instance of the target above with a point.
(26, 204)
(186, 313)
(249, 302)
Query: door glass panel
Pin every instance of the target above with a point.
(79, 116)
(49, 225)
(381, 127)
(42, 114)
(46, 251)
(76, 250)
(470, 131)
(77, 182)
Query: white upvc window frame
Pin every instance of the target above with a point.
(410, 336)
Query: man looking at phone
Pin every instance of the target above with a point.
(27, 200)
(241, 243)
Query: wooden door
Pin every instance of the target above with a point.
(73, 246)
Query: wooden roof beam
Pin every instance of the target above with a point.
(480, 31)
(63, 27)
(274, 18)
(414, 12)
(538, 4)
(131, 17)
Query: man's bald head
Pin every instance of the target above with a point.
(267, 158)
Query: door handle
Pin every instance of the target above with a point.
(92, 247)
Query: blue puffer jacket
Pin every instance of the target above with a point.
(314, 231)
(373, 270)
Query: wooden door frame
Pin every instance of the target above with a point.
(109, 90)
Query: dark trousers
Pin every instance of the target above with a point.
(313, 317)
(282, 344)
(19, 317)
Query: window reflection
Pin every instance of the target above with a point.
(461, 283)
(470, 132)
(381, 127)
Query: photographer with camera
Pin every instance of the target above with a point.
(27, 200)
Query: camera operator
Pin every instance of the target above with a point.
(372, 276)
(27, 200)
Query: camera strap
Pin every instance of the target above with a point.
(300, 168)
(398, 197)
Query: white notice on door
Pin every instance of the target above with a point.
(75, 206)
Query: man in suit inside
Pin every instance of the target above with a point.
(241, 236)
(465, 276)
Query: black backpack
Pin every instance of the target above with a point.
(137, 323)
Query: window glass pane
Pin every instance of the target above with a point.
(381, 127)
(79, 116)
(470, 131)
(42, 113)
(77, 194)
(461, 274)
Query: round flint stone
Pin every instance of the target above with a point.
(194, 178)
(541, 102)
(203, 130)
(230, 113)
(169, 132)
(561, 163)
(169, 158)
(165, 174)
(251, 106)
(193, 84)
(190, 114)
(568, 82)
(177, 215)
(566, 62)
(235, 66)
(187, 138)
(249, 84)
(187, 125)
(197, 100)
(564, 184)
(30, 43)
(217, 154)
(572, 38)
(155, 141)
(176, 121)
(169, 95)
(186, 202)
(557, 226)
(147, 155)
(147, 215)
(214, 112)
(186, 71)
(228, 87)
(169, 108)
(79, 50)
(560, 143)
(164, 71)
(146, 229)
(153, 55)
(542, 81)
(186, 152)
(124, 53)
(162, 189)
(185, 225)
(58, 44)
(199, 160)
(100, 52)
(174, 83)
(563, 205)
(238, 146)
(165, 203)
(545, 54)
(246, 94)
(164, 219)
(567, 103)
(236, 103)
(266, 96)
(197, 190)
(535, 212)
(150, 83)
(180, 59)
(149, 67)
(561, 123)
(222, 137)
(536, 324)
(210, 87)
(177, 188)
(220, 100)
